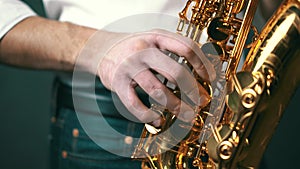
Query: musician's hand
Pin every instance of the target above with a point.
(127, 60)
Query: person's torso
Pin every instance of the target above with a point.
(99, 14)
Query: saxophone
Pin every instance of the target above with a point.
(234, 129)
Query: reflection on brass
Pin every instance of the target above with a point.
(233, 130)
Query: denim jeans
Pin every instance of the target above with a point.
(72, 148)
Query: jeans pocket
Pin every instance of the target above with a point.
(85, 153)
(74, 148)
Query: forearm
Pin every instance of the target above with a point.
(43, 44)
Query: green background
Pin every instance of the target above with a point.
(25, 112)
(25, 115)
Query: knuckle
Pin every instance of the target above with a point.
(139, 45)
(157, 91)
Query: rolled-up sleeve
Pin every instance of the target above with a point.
(11, 13)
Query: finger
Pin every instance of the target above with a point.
(131, 101)
(179, 76)
(201, 64)
(184, 46)
(164, 96)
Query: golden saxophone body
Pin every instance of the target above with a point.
(234, 129)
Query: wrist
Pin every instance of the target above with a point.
(94, 49)
(79, 36)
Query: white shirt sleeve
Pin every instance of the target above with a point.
(11, 13)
